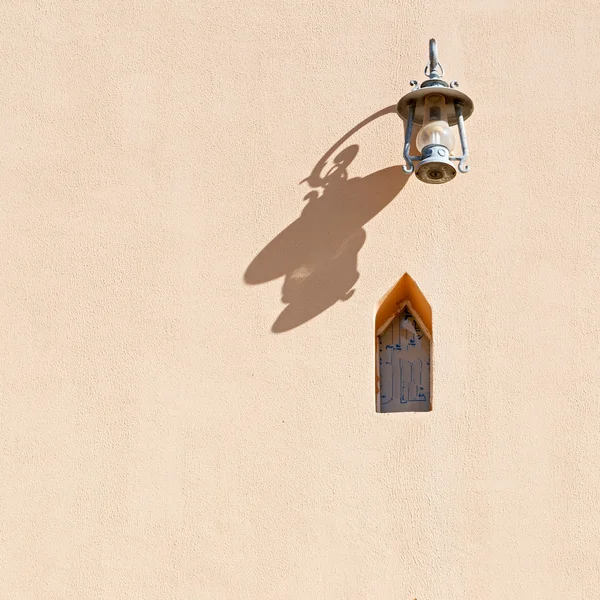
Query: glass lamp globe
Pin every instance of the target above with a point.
(435, 128)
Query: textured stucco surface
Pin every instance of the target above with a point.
(172, 429)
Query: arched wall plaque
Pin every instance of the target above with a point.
(403, 347)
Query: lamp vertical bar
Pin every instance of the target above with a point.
(463, 138)
(408, 167)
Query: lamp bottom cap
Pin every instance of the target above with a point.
(435, 172)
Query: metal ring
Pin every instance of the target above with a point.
(438, 65)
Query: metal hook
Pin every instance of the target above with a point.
(431, 70)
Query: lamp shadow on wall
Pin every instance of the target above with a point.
(317, 254)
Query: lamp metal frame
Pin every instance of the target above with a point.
(411, 109)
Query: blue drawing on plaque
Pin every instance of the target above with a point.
(404, 365)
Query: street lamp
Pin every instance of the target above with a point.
(436, 106)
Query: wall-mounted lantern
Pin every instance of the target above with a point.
(435, 105)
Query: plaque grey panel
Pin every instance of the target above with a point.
(404, 366)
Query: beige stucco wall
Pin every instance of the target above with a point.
(169, 428)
